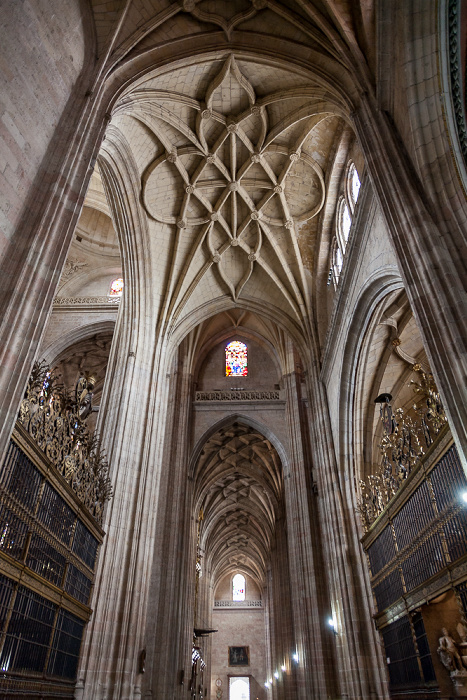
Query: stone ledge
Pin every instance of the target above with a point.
(106, 302)
(237, 605)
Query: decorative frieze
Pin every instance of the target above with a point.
(237, 396)
(238, 604)
(86, 301)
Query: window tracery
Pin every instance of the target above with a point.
(236, 359)
(336, 263)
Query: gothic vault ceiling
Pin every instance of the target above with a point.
(239, 488)
(232, 158)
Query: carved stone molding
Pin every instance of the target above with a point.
(71, 267)
(237, 396)
(87, 301)
(235, 604)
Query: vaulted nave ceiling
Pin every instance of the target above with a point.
(234, 158)
(239, 490)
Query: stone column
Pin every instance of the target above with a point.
(278, 605)
(170, 621)
(315, 670)
(359, 665)
(132, 424)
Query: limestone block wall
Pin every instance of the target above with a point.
(244, 627)
(66, 327)
(44, 50)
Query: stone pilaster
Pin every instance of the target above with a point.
(359, 664)
(315, 670)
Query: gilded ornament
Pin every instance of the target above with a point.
(56, 422)
(402, 446)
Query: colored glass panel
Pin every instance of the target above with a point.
(116, 288)
(236, 359)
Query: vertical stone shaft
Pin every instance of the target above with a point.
(315, 670)
(360, 670)
(173, 576)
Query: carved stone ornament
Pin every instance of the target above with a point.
(55, 421)
(235, 181)
(86, 301)
(71, 267)
(237, 396)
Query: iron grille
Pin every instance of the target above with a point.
(424, 562)
(401, 653)
(56, 515)
(455, 531)
(389, 590)
(462, 591)
(416, 514)
(13, 533)
(66, 644)
(423, 648)
(77, 584)
(448, 479)
(45, 560)
(28, 633)
(85, 545)
(382, 551)
(6, 591)
(20, 477)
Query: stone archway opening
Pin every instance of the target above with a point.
(239, 501)
(239, 688)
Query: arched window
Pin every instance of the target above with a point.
(337, 261)
(236, 359)
(353, 184)
(345, 223)
(238, 587)
(116, 287)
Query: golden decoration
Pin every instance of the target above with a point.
(402, 446)
(56, 422)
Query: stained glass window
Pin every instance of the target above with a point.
(238, 587)
(116, 288)
(346, 222)
(236, 360)
(354, 183)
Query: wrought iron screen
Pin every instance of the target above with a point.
(401, 653)
(44, 531)
(421, 537)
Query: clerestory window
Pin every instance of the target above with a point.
(344, 214)
(238, 587)
(236, 359)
